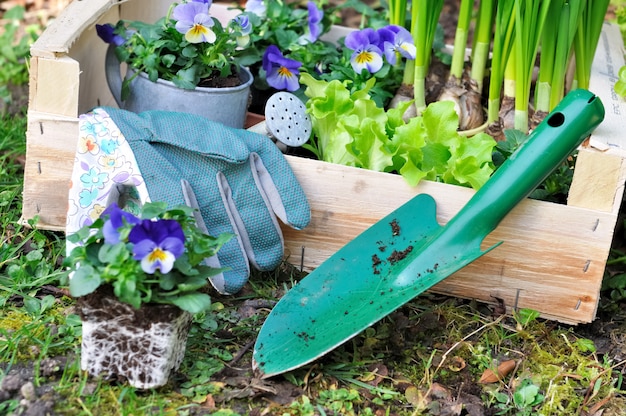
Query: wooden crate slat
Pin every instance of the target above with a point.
(50, 148)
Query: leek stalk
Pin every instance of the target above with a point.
(586, 39)
(556, 48)
(482, 42)
(424, 18)
(460, 41)
(530, 16)
(502, 45)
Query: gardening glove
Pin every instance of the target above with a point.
(240, 180)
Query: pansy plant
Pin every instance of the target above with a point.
(289, 37)
(156, 257)
(189, 46)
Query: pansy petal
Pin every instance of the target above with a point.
(315, 21)
(143, 248)
(173, 245)
(116, 219)
(257, 7)
(369, 59)
(199, 34)
(407, 50)
(183, 26)
(174, 229)
(283, 78)
(158, 259)
(107, 33)
(187, 12)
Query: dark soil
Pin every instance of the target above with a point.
(218, 81)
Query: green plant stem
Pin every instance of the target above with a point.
(586, 39)
(502, 44)
(482, 42)
(564, 48)
(548, 49)
(556, 47)
(424, 18)
(397, 12)
(460, 40)
(530, 16)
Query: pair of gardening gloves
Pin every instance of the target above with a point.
(238, 180)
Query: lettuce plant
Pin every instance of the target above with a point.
(350, 129)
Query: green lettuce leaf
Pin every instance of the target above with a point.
(350, 129)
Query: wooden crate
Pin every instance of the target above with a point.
(553, 258)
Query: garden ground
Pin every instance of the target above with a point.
(436, 355)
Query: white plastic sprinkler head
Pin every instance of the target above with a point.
(286, 119)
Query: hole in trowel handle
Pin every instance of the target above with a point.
(556, 120)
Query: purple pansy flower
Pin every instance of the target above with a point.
(209, 2)
(315, 21)
(107, 33)
(281, 73)
(256, 6)
(157, 244)
(117, 219)
(396, 39)
(367, 55)
(193, 20)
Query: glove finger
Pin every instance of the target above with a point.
(231, 254)
(256, 225)
(191, 201)
(286, 196)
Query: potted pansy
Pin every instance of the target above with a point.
(282, 47)
(286, 39)
(138, 280)
(187, 61)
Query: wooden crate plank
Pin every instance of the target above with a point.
(553, 255)
(63, 74)
(598, 181)
(50, 149)
(63, 31)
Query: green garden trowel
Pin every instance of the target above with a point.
(407, 252)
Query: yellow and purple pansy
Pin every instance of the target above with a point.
(281, 73)
(193, 20)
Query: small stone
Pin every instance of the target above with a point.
(50, 366)
(34, 350)
(12, 382)
(28, 392)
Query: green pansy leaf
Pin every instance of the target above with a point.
(192, 302)
(192, 283)
(84, 281)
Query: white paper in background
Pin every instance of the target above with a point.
(610, 135)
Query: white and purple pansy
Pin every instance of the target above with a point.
(281, 73)
(367, 54)
(242, 25)
(193, 20)
(396, 40)
(157, 244)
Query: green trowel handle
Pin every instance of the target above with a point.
(560, 133)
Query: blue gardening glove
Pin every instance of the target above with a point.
(240, 179)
